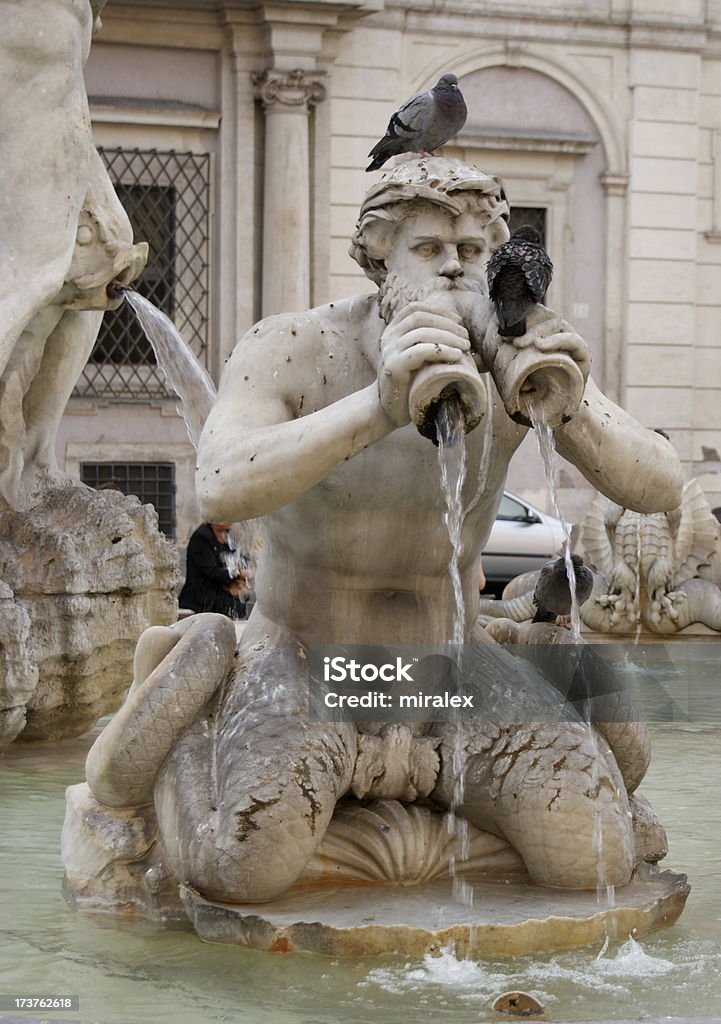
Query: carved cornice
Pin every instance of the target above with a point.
(298, 88)
(529, 142)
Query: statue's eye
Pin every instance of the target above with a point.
(469, 251)
(426, 249)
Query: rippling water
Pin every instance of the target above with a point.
(124, 971)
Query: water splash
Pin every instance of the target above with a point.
(188, 379)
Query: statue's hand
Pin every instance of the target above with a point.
(416, 337)
(548, 332)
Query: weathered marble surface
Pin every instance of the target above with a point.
(89, 572)
(76, 590)
(313, 431)
(506, 919)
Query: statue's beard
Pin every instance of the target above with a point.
(395, 292)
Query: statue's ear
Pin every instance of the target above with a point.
(378, 235)
(498, 233)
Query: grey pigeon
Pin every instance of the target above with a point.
(552, 595)
(423, 123)
(519, 273)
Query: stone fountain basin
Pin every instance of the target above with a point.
(510, 918)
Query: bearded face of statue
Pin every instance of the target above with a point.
(435, 251)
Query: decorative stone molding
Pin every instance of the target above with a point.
(527, 142)
(288, 88)
(714, 233)
(615, 184)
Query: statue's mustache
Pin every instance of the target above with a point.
(465, 284)
(397, 291)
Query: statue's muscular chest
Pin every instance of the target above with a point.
(399, 471)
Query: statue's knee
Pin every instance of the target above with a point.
(563, 806)
(254, 870)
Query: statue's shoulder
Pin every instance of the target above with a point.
(311, 332)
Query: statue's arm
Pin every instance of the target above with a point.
(633, 466)
(260, 448)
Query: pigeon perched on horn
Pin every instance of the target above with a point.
(552, 595)
(519, 273)
(426, 121)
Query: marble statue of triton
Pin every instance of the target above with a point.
(315, 431)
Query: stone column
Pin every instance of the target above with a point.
(616, 188)
(287, 98)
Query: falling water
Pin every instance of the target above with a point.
(183, 372)
(452, 458)
(547, 448)
(485, 459)
(637, 593)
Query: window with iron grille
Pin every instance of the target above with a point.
(534, 216)
(167, 199)
(152, 482)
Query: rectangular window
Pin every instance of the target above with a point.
(167, 199)
(534, 216)
(151, 211)
(152, 482)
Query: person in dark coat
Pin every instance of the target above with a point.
(210, 586)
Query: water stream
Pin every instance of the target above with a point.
(547, 449)
(190, 381)
(605, 893)
(452, 459)
(637, 593)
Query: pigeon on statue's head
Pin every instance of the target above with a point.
(519, 273)
(552, 595)
(426, 121)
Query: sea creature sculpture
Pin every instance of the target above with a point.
(653, 571)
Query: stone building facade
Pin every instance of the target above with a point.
(240, 130)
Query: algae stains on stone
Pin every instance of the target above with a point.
(303, 777)
(245, 822)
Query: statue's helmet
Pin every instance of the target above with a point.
(438, 180)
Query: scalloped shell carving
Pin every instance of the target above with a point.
(387, 841)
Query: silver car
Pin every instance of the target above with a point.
(522, 539)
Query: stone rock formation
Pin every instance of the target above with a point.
(89, 572)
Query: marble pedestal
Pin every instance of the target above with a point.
(506, 919)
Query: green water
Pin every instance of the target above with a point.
(126, 972)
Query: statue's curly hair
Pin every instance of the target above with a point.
(439, 180)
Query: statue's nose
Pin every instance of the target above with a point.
(451, 268)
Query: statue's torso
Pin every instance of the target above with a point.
(365, 554)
